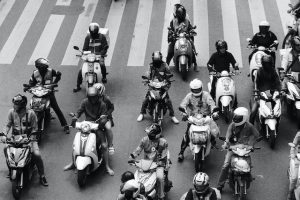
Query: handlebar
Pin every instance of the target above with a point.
(218, 74)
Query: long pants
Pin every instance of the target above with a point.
(294, 168)
(254, 110)
(60, 115)
(160, 181)
(225, 168)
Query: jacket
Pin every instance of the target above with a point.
(92, 111)
(160, 73)
(267, 80)
(47, 78)
(259, 40)
(210, 195)
(221, 61)
(98, 46)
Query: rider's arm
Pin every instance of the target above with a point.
(210, 101)
(211, 62)
(185, 102)
(110, 106)
(229, 133)
(189, 195)
(255, 134)
(213, 195)
(9, 122)
(104, 45)
(86, 43)
(140, 148)
(32, 80)
(254, 40)
(57, 75)
(296, 142)
(81, 108)
(233, 61)
(286, 59)
(273, 38)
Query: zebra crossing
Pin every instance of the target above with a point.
(229, 19)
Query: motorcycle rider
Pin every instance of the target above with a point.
(110, 123)
(198, 101)
(266, 79)
(294, 163)
(126, 176)
(131, 191)
(201, 188)
(264, 38)
(155, 148)
(181, 23)
(220, 61)
(240, 131)
(96, 43)
(158, 70)
(23, 120)
(93, 108)
(45, 75)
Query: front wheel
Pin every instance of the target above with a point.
(241, 195)
(198, 161)
(183, 71)
(16, 190)
(81, 178)
(272, 138)
(227, 114)
(156, 112)
(298, 118)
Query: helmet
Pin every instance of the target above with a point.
(200, 182)
(221, 44)
(94, 29)
(131, 189)
(157, 57)
(42, 64)
(126, 176)
(240, 116)
(264, 27)
(267, 62)
(92, 95)
(100, 87)
(153, 131)
(20, 100)
(295, 43)
(179, 12)
(196, 87)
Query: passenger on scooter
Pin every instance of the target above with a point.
(180, 21)
(93, 108)
(220, 61)
(155, 145)
(126, 176)
(266, 79)
(294, 171)
(240, 131)
(23, 120)
(45, 75)
(264, 38)
(201, 188)
(96, 43)
(131, 191)
(198, 102)
(158, 70)
(110, 123)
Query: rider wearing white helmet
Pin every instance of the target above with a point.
(239, 131)
(131, 191)
(198, 102)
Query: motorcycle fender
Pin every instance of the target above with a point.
(13, 174)
(84, 69)
(196, 148)
(183, 60)
(297, 105)
(225, 100)
(82, 162)
(90, 78)
(271, 123)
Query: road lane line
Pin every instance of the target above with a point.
(202, 38)
(5, 7)
(63, 2)
(282, 7)
(19, 32)
(257, 13)
(113, 23)
(140, 34)
(80, 31)
(47, 38)
(231, 29)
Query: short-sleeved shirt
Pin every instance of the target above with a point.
(221, 61)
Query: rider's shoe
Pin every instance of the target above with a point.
(43, 181)
(175, 120)
(78, 88)
(69, 166)
(104, 80)
(111, 150)
(196, 67)
(180, 157)
(67, 129)
(110, 171)
(140, 118)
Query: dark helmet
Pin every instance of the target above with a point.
(295, 43)
(264, 27)
(267, 62)
(94, 29)
(153, 131)
(92, 95)
(20, 100)
(157, 58)
(179, 12)
(126, 176)
(221, 44)
(42, 64)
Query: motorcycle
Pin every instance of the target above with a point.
(158, 91)
(240, 168)
(200, 137)
(225, 92)
(183, 50)
(255, 62)
(291, 168)
(20, 162)
(215, 189)
(86, 156)
(269, 113)
(40, 104)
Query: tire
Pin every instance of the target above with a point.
(272, 138)
(227, 114)
(183, 71)
(198, 161)
(156, 114)
(286, 38)
(241, 195)
(16, 191)
(81, 177)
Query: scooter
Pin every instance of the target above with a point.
(291, 169)
(158, 90)
(200, 137)
(40, 104)
(86, 156)
(20, 163)
(215, 189)
(225, 92)
(183, 50)
(269, 113)
(240, 168)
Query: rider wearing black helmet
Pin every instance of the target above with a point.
(158, 70)
(44, 75)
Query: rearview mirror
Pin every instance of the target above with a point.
(291, 144)
(222, 138)
(76, 47)
(72, 114)
(181, 109)
(216, 109)
(194, 27)
(144, 77)
(248, 39)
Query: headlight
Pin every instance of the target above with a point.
(21, 163)
(183, 47)
(85, 128)
(91, 58)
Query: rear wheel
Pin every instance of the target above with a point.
(198, 161)
(156, 114)
(272, 138)
(227, 114)
(81, 178)
(241, 195)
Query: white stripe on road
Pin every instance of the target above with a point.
(113, 23)
(140, 34)
(63, 2)
(80, 31)
(47, 38)
(168, 17)
(282, 7)
(231, 29)
(19, 32)
(202, 38)
(257, 13)
(5, 6)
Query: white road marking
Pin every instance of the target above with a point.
(5, 6)
(282, 7)
(257, 13)
(63, 2)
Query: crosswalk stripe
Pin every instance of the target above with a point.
(202, 38)
(80, 32)
(5, 7)
(63, 2)
(140, 34)
(284, 16)
(19, 32)
(113, 24)
(231, 30)
(47, 38)
(257, 13)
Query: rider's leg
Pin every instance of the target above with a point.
(109, 136)
(143, 108)
(39, 162)
(79, 81)
(253, 112)
(224, 172)
(160, 181)
(184, 143)
(103, 69)
(171, 110)
(60, 115)
(293, 177)
(213, 88)
(104, 151)
(170, 52)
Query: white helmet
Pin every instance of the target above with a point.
(240, 116)
(264, 27)
(131, 188)
(196, 87)
(200, 182)
(264, 23)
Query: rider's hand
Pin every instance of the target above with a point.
(215, 115)
(273, 49)
(236, 68)
(225, 146)
(184, 117)
(73, 123)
